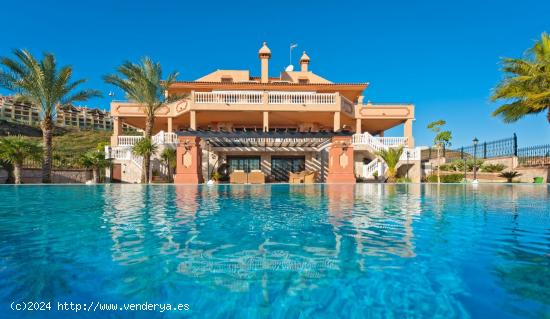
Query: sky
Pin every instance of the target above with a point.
(442, 56)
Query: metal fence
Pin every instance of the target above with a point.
(534, 155)
(493, 149)
(60, 161)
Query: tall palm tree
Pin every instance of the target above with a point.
(145, 148)
(391, 157)
(15, 149)
(143, 84)
(526, 84)
(43, 84)
(168, 155)
(442, 139)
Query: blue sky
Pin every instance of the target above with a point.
(440, 55)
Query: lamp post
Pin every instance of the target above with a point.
(475, 140)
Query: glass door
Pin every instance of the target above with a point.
(282, 165)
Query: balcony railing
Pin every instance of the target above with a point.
(159, 138)
(258, 98)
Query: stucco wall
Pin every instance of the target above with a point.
(34, 175)
(528, 173)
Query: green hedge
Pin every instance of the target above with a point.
(452, 178)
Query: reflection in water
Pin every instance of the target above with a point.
(320, 250)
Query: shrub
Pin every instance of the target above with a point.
(458, 165)
(509, 175)
(447, 167)
(493, 168)
(452, 178)
(404, 180)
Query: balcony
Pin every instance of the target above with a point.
(276, 98)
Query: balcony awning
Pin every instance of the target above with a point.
(263, 140)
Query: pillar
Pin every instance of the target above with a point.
(340, 161)
(117, 130)
(169, 125)
(266, 121)
(381, 133)
(408, 133)
(358, 126)
(193, 120)
(336, 121)
(188, 160)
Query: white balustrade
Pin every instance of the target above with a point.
(159, 138)
(228, 97)
(124, 140)
(301, 98)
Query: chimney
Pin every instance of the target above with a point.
(304, 62)
(265, 55)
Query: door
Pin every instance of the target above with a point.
(282, 165)
(116, 173)
(243, 163)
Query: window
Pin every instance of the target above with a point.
(303, 81)
(227, 79)
(244, 163)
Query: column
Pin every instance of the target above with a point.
(193, 120)
(336, 121)
(188, 160)
(341, 163)
(408, 133)
(266, 121)
(117, 130)
(358, 126)
(381, 133)
(169, 125)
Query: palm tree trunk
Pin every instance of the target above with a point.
(47, 132)
(548, 114)
(17, 172)
(438, 165)
(150, 122)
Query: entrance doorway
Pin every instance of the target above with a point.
(116, 173)
(281, 166)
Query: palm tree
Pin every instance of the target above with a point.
(391, 157)
(95, 160)
(442, 139)
(168, 155)
(526, 84)
(510, 175)
(8, 167)
(15, 149)
(145, 147)
(43, 84)
(143, 84)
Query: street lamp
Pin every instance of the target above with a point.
(475, 140)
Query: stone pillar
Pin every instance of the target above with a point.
(117, 130)
(358, 126)
(169, 125)
(193, 120)
(340, 161)
(408, 133)
(266, 121)
(188, 161)
(336, 124)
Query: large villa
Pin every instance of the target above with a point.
(273, 126)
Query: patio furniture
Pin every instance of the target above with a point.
(238, 177)
(296, 178)
(256, 177)
(309, 177)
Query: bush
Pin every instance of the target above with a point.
(403, 180)
(458, 165)
(452, 178)
(493, 168)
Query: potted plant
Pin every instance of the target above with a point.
(216, 176)
(509, 175)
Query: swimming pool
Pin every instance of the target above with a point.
(322, 251)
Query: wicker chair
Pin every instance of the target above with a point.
(309, 177)
(238, 177)
(256, 177)
(296, 178)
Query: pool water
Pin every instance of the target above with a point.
(279, 251)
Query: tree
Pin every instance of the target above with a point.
(391, 157)
(442, 139)
(145, 148)
(526, 83)
(510, 175)
(42, 84)
(8, 167)
(168, 156)
(95, 160)
(143, 84)
(15, 149)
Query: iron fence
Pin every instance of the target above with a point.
(534, 155)
(60, 161)
(493, 149)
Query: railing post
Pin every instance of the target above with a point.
(484, 150)
(462, 152)
(515, 144)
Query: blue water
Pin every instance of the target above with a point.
(365, 251)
